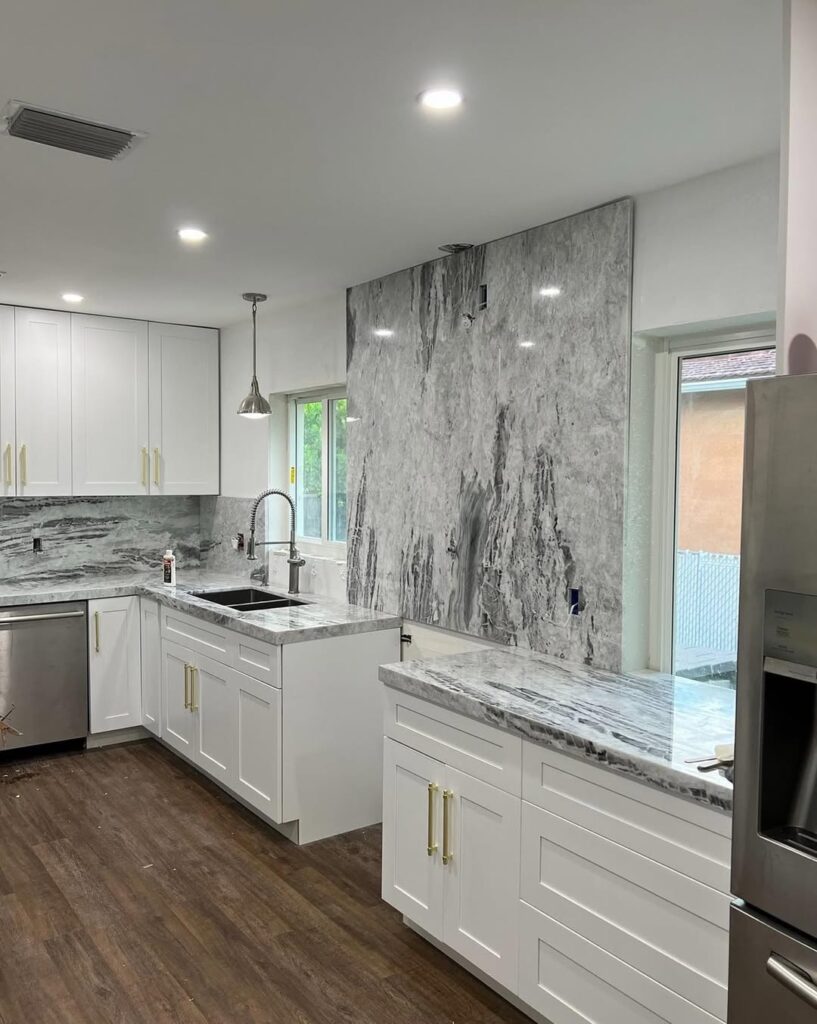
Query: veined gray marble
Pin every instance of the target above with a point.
(103, 536)
(221, 519)
(487, 446)
(643, 726)
(317, 619)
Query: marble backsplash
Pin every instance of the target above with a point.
(102, 536)
(487, 437)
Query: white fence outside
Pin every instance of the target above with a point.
(706, 607)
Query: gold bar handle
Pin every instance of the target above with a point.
(23, 464)
(186, 687)
(156, 466)
(432, 846)
(96, 632)
(194, 675)
(7, 457)
(145, 467)
(448, 856)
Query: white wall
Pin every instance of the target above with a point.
(300, 348)
(706, 250)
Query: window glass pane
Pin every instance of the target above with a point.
(337, 471)
(711, 416)
(308, 468)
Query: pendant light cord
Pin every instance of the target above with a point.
(254, 308)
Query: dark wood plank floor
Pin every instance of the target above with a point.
(132, 890)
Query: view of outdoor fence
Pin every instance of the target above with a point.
(706, 607)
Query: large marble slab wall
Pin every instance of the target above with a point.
(99, 536)
(487, 445)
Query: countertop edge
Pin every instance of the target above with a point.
(648, 772)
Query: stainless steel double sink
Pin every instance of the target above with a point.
(247, 599)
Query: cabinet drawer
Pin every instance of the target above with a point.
(198, 635)
(666, 925)
(480, 750)
(689, 838)
(257, 659)
(571, 980)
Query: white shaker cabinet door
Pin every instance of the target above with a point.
(42, 374)
(114, 664)
(482, 875)
(109, 392)
(151, 641)
(184, 409)
(8, 443)
(413, 875)
(213, 702)
(178, 719)
(258, 732)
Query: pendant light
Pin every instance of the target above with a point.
(254, 406)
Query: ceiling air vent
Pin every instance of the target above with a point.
(64, 131)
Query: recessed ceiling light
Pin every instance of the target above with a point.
(72, 297)
(192, 235)
(383, 332)
(441, 99)
(550, 292)
(526, 344)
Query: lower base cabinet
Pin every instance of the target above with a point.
(451, 858)
(114, 664)
(588, 897)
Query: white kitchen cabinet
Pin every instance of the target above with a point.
(451, 858)
(184, 409)
(42, 385)
(109, 402)
(412, 876)
(214, 700)
(482, 875)
(8, 443)
(178, 723)
(114, 664)
(258, 737)
(151, 643)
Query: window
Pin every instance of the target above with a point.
(699, 513)
(318, 466)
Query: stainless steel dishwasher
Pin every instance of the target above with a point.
(43, 674)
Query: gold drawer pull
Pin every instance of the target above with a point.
(96, 632)
(448, 795)
(145, 467)
(7, 457)
(186, 687)
(23, 464)
(432, 846)
(156, 466)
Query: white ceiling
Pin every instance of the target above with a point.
(290, 131)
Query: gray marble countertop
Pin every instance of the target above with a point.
(317, 618)
(643, 725)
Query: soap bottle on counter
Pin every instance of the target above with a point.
(169, 568)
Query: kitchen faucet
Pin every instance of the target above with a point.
(295, 561)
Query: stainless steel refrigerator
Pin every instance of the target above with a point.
(773, 926)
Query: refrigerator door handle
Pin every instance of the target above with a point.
(793, 978)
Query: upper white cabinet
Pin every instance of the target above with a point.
(109, 387)
(8, 442)
(42, 385)
(184, 410)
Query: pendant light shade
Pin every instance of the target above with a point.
(254, 406)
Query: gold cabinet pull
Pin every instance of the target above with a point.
(156, 466)
(186, 687)
(145, 470)
(194, 675)
(23, 464)
(432, 846)
(448, 856)
(7, 457)
(96, 632)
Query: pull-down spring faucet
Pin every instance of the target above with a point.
(295, 561)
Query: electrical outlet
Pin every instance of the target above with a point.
(575, 599)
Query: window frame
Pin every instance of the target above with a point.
(669, 354)
(323, 546)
